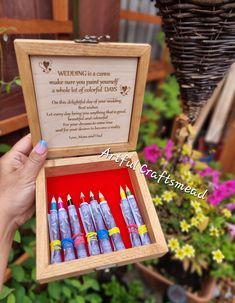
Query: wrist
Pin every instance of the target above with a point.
(7, 228)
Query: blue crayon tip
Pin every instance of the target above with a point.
(53, 203)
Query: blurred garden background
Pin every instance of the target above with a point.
(200, 265)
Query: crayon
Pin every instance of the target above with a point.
(129, 219)
(55, 243)
(67, 241)
(142, 229)
(114, 231)
(102, 232)
(78, 236)
(89, 227)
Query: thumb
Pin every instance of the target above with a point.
(35, 160)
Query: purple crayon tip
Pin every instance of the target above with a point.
(60, 203)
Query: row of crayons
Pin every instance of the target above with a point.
(99, 226)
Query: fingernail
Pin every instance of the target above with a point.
(41, 147)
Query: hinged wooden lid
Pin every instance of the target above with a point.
(83, 98)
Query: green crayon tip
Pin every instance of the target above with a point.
(92, 195)
(128, 192)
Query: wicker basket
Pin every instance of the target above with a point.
(201, 38)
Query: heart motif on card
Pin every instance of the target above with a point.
(124, 90)
(45, 65)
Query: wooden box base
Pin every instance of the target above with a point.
(47, 272)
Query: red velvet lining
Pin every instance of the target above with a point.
(108, 182)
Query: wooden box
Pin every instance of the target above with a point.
(83, 99)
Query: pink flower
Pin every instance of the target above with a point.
(229, 186)
(230, 206)
(152, 153)
(215, 199)
(231, 230)
(223, 191)
(212, 173)
(168, 149)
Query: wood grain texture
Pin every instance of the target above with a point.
(10, 12)
(227, 158)
(37, 26)
(221, 112)
(56, 167)
(60, 10)
(11, 103)
(42, 232)
(135, 16)
(12, 124)
(208, 107)
(99, 18)
(26, 48)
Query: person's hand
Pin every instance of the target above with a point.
(18, 171)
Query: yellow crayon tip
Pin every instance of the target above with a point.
(122, 193)
(101, 196)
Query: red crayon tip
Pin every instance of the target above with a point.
(82, 197)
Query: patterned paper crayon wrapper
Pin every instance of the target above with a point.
(66, 234)
(89, 227)
(110, 223)
(130, 222)
(138, 219)
(76, 229)
(99, 223)
(54, 235)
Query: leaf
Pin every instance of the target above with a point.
(27, 300)
(18, 273)
(29, 264)
(11, 256)
(54, 290)
(8, 87)
(80, 299)
(93, 298)
(29, 250)
(19, 293)
(161, 38)
(90, 283)
(11, 298)
(33, 274)
(203, 224)
(6, 291)
(75, 283)
(4, 148)
(67, 292)
(17, 237)
(18, 82)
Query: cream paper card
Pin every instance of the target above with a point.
(84, 100)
